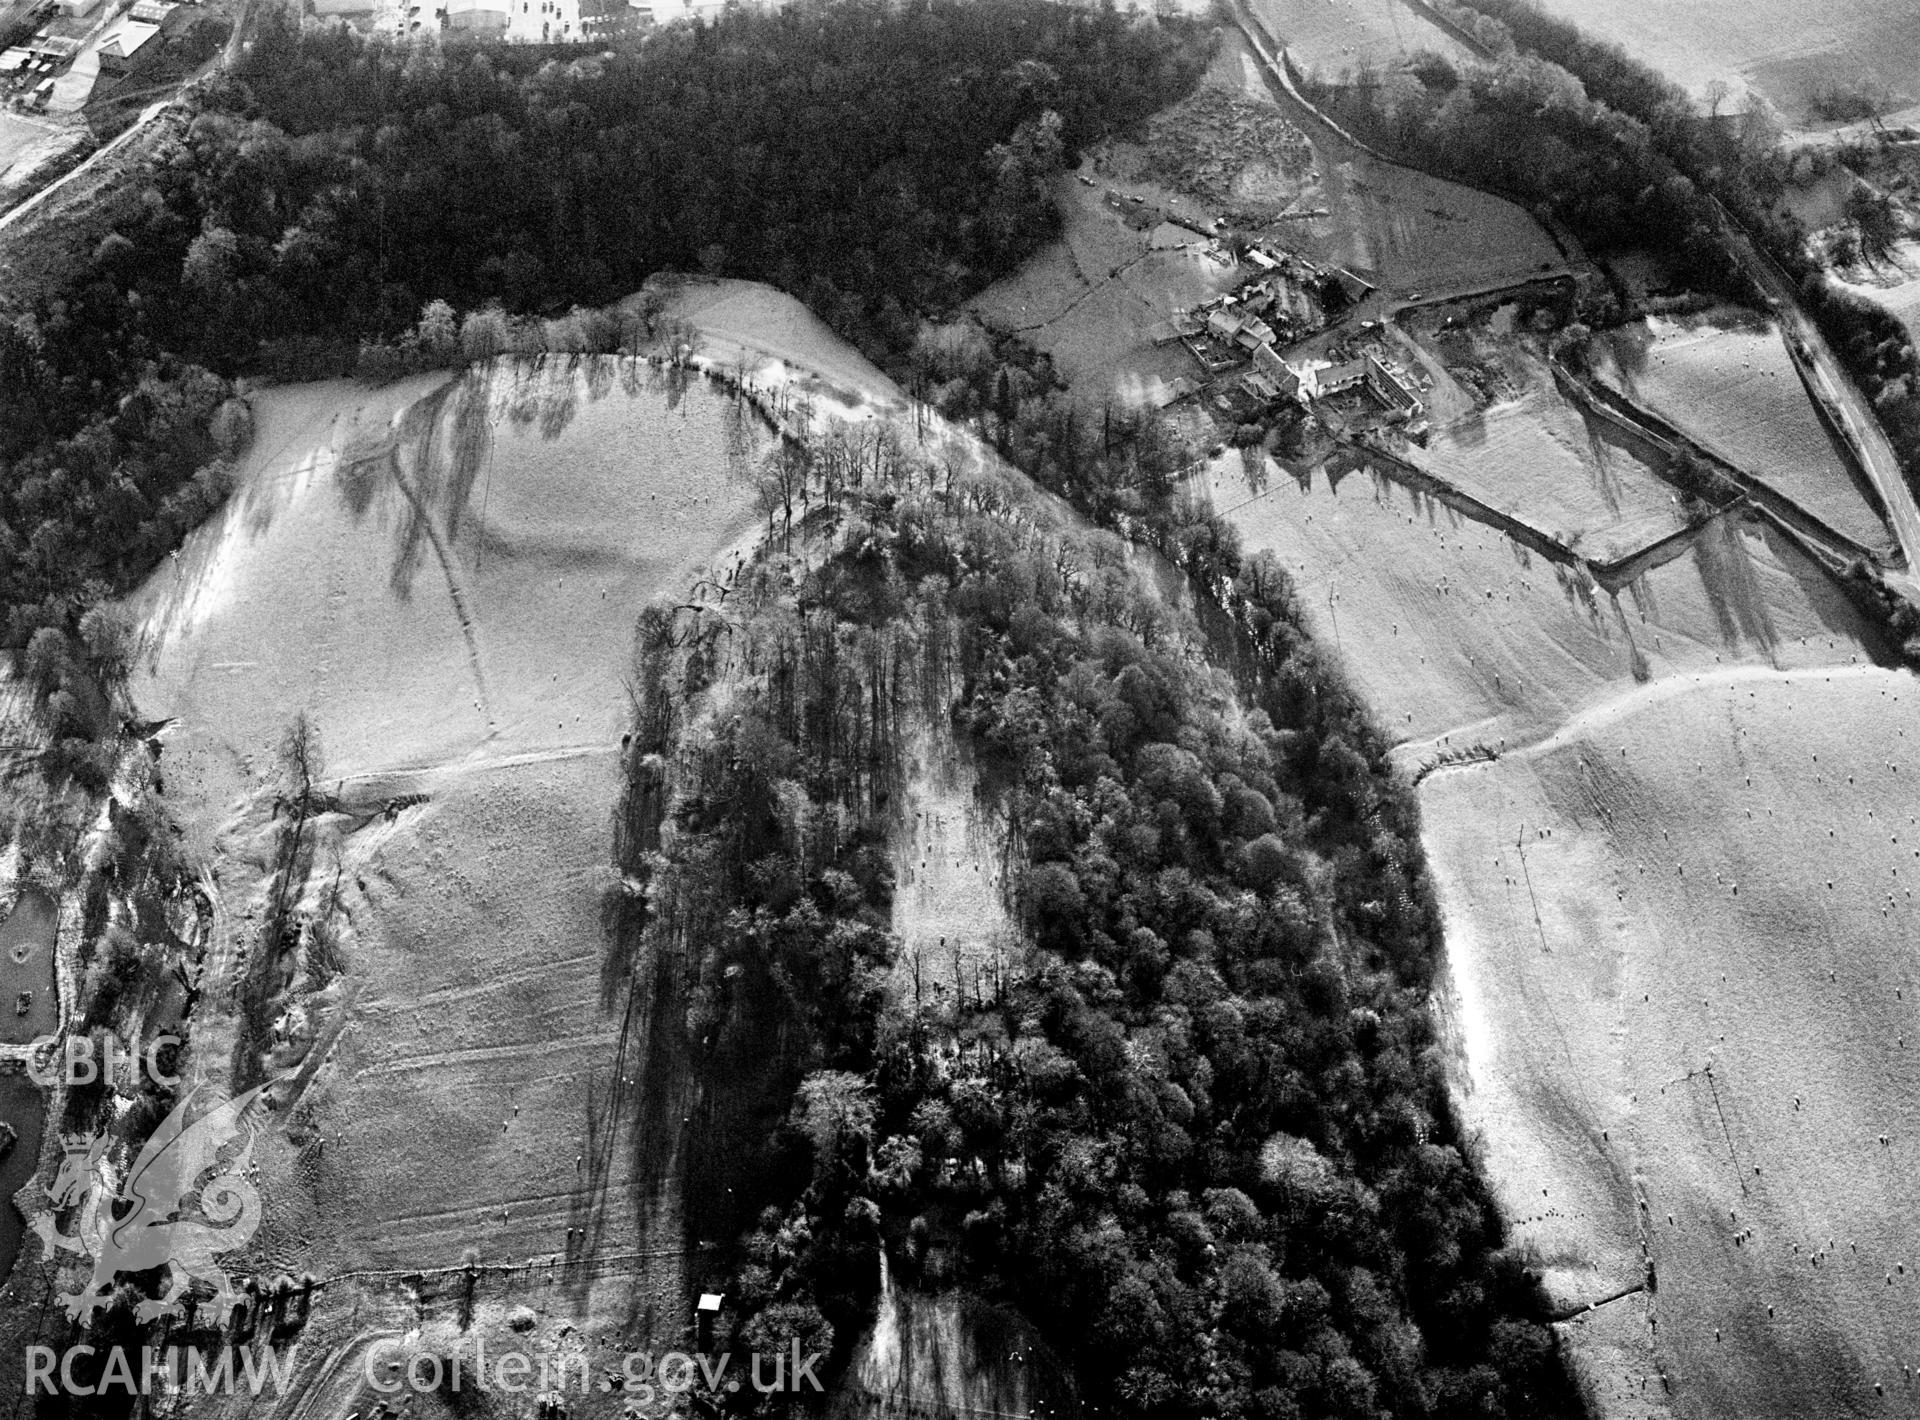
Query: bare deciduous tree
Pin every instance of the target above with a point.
(783, 482)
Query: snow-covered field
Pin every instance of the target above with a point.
(1781, 49)
(1335, 34)
(1732, 387)
(1534, 457)
(444, 576)
(1680, 931)
(1677, 928)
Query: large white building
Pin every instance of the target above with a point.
(127, 46)
(665, 12)
(478, 16)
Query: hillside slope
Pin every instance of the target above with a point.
(441, 577)
(1664, 823)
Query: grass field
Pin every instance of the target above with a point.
(754, 329)
(1656, 753)
(1680, 930)
(1505, 434)
(1782, 49)
(444, 577)
(1403, 229)
(1733, 388)
(363, 570)
(1572, 479)
(25, 143)
(1457, 635)
(1091, 298)
(1334, 34)
(1415, 232)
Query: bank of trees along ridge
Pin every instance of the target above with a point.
(318, 196)
(1199, 1133)
(873, 160)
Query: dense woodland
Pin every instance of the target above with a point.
(1589, 135)
(1523, 125)
(1737, 161)
(873, 160)
(1196, 1130)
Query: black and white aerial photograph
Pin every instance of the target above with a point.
(959, 709)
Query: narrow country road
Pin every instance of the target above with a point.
(1844, 398)
(227, 57)
(33, 203)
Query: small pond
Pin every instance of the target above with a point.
(28, 1008)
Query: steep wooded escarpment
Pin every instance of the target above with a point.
(1191, 1124)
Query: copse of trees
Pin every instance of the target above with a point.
(85, 514)
(85, 511)
(1123, 467)
(1198, 1130)
(1708, 152)
(1610, 74)
(1877, 349)
(869, 159)
(1522, 124)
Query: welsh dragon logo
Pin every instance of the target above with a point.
(186, 1199)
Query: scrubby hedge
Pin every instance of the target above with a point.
(1878, 352)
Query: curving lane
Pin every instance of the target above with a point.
(1848, 406)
